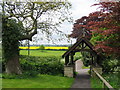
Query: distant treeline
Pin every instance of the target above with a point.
(47, 45)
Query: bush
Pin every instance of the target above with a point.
(42, 47)
(110, 65)
(113, 79)
(43, 65)
(27, 74)
(86, 58)
(77, 58)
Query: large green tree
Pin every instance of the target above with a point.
(33, 17)
(10, 44)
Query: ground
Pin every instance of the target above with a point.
(82, 79)
(41, 81)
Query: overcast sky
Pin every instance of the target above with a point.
(79, 9)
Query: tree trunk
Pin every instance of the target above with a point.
(10, 45)
(13, 65)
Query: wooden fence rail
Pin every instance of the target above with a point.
(105, 83)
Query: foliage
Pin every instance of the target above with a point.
(27, 74)
(41, 81)
(110, 65)
(96, 83)
(104, 25)
(86, 58)
(43, 65)
(10, 37)
(113, 79)
(84, 67)
(42, 47)
(77, 56)
(38, 16)
(29, 17)
(108, 29)
(75, 73)
(79, 29)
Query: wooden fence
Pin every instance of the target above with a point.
(106, 85)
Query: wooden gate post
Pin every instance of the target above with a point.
(66, 59)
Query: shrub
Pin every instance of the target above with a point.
(43, 65)
(86, 58)
(42, 47)
(77, 57)
(26, 74)
(110, 65)
(113, 79)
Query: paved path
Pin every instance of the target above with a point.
(82, 80)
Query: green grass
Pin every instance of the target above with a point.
(47, 53)
(113, 79)
(42, 53)
(41, 81)
(95, 82)
(84, 67)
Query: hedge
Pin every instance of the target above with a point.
(51, 65)
(44, 65)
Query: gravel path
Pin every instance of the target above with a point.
(82, 80)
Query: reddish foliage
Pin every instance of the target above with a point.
(105, 22)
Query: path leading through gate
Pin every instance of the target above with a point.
(82, 80)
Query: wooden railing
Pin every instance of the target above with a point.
(105, 83)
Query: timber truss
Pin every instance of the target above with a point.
(82, 44)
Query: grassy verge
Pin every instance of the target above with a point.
(41, 81)
(95, 82)
(111, 78)
(84, 67)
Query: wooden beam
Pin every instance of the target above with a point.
(79, 50)
(82, 40)
(72, 48)
(88, 43)
(66, 59)
(72, 58)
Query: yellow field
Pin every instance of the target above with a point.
(32, 47)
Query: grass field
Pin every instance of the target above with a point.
(47, 53)
(41, 81)
(42, 52)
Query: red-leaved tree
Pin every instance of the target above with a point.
(104, 26)
(108, 30)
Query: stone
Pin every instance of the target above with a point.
(69, 71)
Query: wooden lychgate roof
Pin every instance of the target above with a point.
(80, 41)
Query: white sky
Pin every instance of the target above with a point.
(79, 9)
